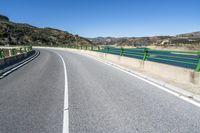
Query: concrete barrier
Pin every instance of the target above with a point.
(168, 72)
(10, 61)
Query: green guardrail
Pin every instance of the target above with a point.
(13, 51)
(198, 65)
(178, 57)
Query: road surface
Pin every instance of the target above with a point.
(102, 99)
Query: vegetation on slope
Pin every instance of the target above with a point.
(23, 34)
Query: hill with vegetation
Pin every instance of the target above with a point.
(22, 34)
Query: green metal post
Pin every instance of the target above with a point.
(86, 47)
(98, 48)
(146, 54)
(2, 55)
(92, 48)
(108, 49)
(81, 47)
(121, 51)
(25, 50)
(31, 47)
(198, 65)
(13, 52)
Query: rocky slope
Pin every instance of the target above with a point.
(23, 34)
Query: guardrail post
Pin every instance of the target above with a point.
(2, 55)
(98, 48)
(92, 48)
(13, 52)
(146, 54)
(31, 47)
(108, 49)
(25, 50)
(86, 47)
(198, 65)
(121, 51)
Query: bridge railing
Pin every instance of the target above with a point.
(189, 60)
(6, 52)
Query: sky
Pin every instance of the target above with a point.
(115, 18)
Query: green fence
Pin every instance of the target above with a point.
(189, 60)
(13, 51)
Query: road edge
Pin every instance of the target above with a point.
(19, 65)
(178, 92)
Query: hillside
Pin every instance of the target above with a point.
(190, 41)
(3, 18)
(22, 34)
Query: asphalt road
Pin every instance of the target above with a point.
(102, 99)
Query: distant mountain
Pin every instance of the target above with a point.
(189, 40)
(190, 35)
(127, 41)
(23, 34)
(107, 40)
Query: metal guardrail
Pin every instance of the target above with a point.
(6, 52)
(177, 58)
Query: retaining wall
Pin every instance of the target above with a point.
(9, 61)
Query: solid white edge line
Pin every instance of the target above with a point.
(141, 78)
(66, 111)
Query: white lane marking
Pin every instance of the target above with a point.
(17, 67)
(189, 100)
(66, 110)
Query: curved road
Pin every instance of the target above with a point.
(102, 99)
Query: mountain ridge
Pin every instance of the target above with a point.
(187, 40)
(12, 33)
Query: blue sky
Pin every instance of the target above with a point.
(117, 18)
